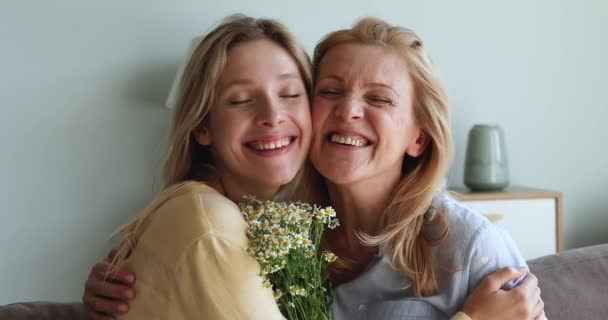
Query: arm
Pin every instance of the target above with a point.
(509, 293)
(107, 296)
(489, 301)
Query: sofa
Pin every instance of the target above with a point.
(574, 285)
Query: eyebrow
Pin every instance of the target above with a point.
(367, 84)
(334, 77)
(247, 81)
(290, 75)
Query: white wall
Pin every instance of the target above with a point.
(82, 85)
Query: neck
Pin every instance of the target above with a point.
(360, 205)
(236, 190)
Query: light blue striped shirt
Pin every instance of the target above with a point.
(473, 249)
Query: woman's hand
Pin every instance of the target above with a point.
(489, 301)
(106, 297)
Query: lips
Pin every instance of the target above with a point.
(270, 144)
(348, 139)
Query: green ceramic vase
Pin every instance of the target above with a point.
(486, 166)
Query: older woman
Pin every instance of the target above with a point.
(381, 141)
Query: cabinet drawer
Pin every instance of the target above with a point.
(532, 223)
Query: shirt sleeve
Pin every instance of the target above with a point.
(218, 280)
(492, 249)
(152, 297)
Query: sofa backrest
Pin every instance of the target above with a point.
(43, 311)
(574, 283)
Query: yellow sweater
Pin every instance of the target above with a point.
(191, 264)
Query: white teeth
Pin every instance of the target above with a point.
(352, 141)
(272, 145)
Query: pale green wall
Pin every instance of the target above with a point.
(82, 85)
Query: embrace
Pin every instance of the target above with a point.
(363, 127)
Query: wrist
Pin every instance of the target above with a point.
(470, 311)
(461, 316)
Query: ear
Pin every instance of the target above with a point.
(202, 136)
(417, 148)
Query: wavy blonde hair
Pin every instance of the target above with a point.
(185, 159)
(405, 245)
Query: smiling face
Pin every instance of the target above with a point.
(259, 125)
(363, 117)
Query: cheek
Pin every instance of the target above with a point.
(319, 113)
(402, 130)
(300, 117)
(385, 122)
(392, 130)
(305, 117)
(227, 128)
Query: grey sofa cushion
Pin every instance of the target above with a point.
(43, 311)
(574, 283)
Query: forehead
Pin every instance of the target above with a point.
(355, 63)
(257, 59)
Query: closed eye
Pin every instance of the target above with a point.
(291, 96)
(239, 102)
(380, 100)
(329, 92)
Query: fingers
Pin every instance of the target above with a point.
(497, 279)
(527, 299)
(528, 288)
(109, 289)
(123, 275)
(538, 310)
(118, 286)
(112, 253)
(114, 250)
(533, 307)
(100, 270)
(103, 297)
(104, 307)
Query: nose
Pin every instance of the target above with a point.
(350, 108)
(270, 113)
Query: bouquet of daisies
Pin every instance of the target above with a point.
(284, 238)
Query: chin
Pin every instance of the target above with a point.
(279, 178)
(337, 174)
(340, 180)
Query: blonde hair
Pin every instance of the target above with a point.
(406, 247)
(186, 159)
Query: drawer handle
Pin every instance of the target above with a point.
(494, 216)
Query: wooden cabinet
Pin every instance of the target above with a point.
(533, 217)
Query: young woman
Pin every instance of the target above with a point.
(241, 126)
